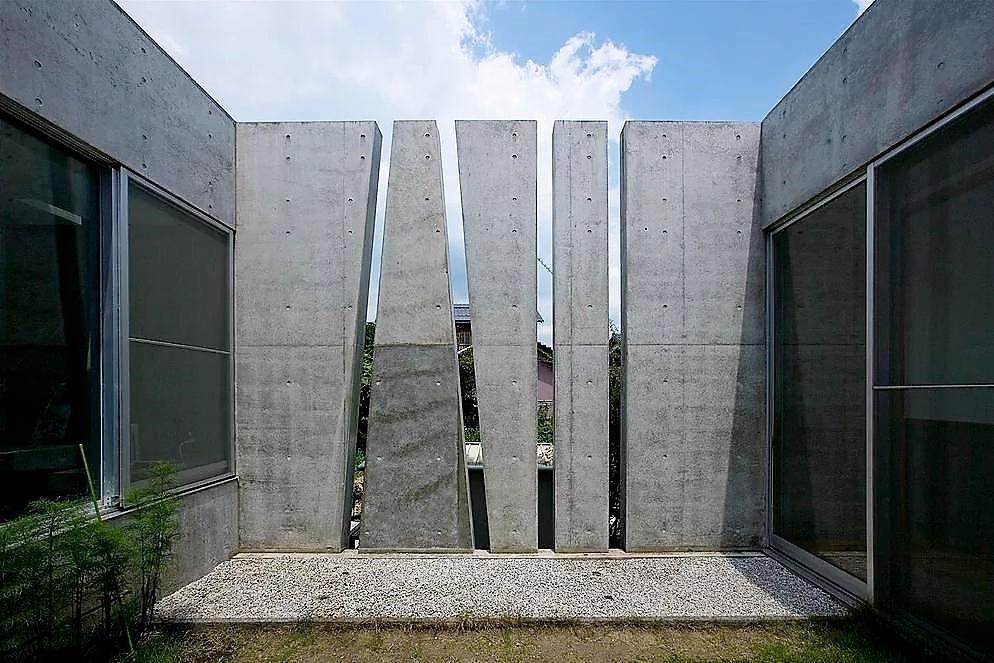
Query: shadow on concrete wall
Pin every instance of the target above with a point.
(744, 521)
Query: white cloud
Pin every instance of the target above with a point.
(861, 6)
(344, 61)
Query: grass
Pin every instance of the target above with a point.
(787, 642)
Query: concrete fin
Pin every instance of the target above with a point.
(498, 183)
(306, 204)
(416, 482)
(692, 260)
(580, 296)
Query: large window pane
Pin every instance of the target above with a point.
(180, 409)
(49, 351)
(179, 275)
(936, 523)
(179, 352)
(819, 441)
(935, 446)
(935, 254)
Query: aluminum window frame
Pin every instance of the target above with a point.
(932, 635)
(123, 333)
(800, 560)
(848, 586)
(106, 469)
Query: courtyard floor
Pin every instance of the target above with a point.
(362, 588)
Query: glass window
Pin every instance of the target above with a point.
(49, 323)
(934, 438)
(179, 273)
(935, 254)
(936, 524)
(819, 437)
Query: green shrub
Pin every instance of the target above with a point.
(74, 587)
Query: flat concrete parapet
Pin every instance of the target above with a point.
(692, 258)
(498, 183)
(416, 482)
(580, 296)
(306, 204)
(433, 589)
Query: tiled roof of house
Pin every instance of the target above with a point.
(460, 312)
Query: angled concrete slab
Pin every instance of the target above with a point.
(416, 482)
(306, 204)
(498, 182)
(694, 352)
(580, 295)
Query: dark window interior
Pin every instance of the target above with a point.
(49, 326)
(819, 452)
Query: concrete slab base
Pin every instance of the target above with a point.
(591, 587)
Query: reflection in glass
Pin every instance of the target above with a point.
(180, 408)
(935, 258)
(49, 351)
(936, 525)
(934, 447)
(179, 274)
(819, 441)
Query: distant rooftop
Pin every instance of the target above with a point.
(460, 312)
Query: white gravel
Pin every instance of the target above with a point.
(356, 587)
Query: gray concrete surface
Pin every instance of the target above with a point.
(306, 204)
(895, 69)
(415, 588)
(102, 83)
(416, 483)
(580, 302)
(208, 526)
(498, 185)
(208, 532)
(692, 259)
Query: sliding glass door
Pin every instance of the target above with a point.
(819, 386)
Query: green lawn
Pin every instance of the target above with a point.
(807, 642)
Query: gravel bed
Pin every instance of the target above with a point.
(353, 587)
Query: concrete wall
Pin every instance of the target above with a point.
(580, 297)
(498, 185)
(416, 495)
(900, 65)
(91, 74)
(306, 203)
(208, 525)
(692, 260)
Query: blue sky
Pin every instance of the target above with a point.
(717, 59)
(464, 59)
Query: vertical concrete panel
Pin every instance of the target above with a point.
(694, 348)
(416, 482)
(498, 183)
(306, 201)
(580, 296)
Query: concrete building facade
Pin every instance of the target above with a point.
(807, 360)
